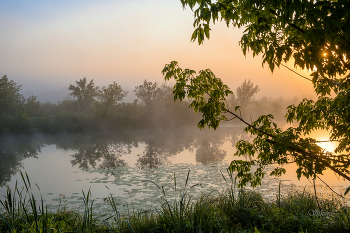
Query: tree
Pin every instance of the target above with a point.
(111, 95)
(85, 94)
(32, 105)
(209, 151)
(10, 98)
(150, 94)
(246, 91)
(13, 151)
(313, 33)
(147, 92)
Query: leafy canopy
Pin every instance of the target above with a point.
(316, 35)
(84, 93)
(148, 92)
(111, 95)
(10, 98)
(246, 91)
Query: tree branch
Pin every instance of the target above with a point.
(329, 187)
(313, 156)
(291, 24)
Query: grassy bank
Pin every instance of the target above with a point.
(230, 211)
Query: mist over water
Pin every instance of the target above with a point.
(66, 164)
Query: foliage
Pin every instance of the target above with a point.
(280, 30)
(84, 93)
(31, 105)
(316, 35)
(234, 210)
(22, 212)
(208, 93)
(246, 91)
(10, 98)
(160, 112)
(158, 109)
(111, 95)
(108, 112)
(147, 92)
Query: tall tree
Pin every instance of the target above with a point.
(147, 92)
(246, 91)
(10, 98)
(85, 93)
(111, 95)
(315, 34)
(31, 105)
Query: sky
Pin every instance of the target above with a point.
(45, 45)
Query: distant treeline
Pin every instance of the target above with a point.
(89, 108)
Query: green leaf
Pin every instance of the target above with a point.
(194, 35)
(347, 191)
(315, 34)
(206, 30)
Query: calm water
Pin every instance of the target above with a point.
(64, 166)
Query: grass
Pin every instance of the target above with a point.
(232, 210)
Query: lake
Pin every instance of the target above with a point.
(123, 163)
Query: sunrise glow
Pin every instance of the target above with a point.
(47, 45)
(327, 145)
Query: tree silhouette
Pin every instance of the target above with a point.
(84, 93)
(111, 95)
(246, 91)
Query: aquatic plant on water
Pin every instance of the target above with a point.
(232, 210)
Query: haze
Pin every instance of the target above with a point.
(47, 45)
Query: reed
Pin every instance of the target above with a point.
(22, 212)
(119, 221)
(177, 214)
(232, 210)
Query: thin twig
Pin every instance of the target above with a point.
(330, 187)
(328, 141)
(295, 72)
(318, 204)
(231, 119)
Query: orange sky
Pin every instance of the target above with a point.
(46, 48)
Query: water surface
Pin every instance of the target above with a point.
(65, 165)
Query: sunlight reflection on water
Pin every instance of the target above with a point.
(63, 169)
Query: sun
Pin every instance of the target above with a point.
(327, 145)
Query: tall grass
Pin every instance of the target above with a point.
(21, 212)
(22, 209)
(119, 222)
(177, 214)
(232, 210)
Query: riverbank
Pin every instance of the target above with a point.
(232, 210)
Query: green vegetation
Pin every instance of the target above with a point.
(233, 210)
(90, 109)
(315, 34)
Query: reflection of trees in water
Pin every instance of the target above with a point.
(85, 156)
(109, 154)
(105, 151)
(209, 151)
(112, 156)
(241, 136)
(208, 147)
(101, 151)
(152, 157)
(12, 152)
(208, 144)
(162, 144)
